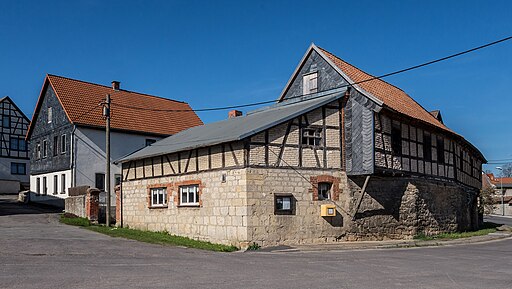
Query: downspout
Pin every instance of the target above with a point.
(72, 156)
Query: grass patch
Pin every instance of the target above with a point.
(487, 228)
(162, 238)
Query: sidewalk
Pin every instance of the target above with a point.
(369, 245)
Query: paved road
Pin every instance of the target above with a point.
(499, 220)
(38, 252)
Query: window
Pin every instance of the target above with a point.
(6, 121)
(100, 181)
(310, 83)
(324, 191)
(117, 179)
(63, 143)
(158, 197)
(17, 144)
(63, 184)
(440, 150)
(461, 159)
(189, 195)
(283, 204)
(45, 149)
(55, 184)
(150, 141)
(312, 136)
(55, 145)
(18, 169)
(45, 186)
(38, 151)
(50, 114)
(396, 140)
(427, 147)
(38, 186)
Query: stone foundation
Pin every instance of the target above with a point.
(240, 208)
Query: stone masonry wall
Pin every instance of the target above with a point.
(220, 218)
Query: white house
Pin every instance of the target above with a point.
(67, 132)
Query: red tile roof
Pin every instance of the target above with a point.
(392, 96)
(80, 101)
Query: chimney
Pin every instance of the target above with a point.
(116, 85)
(234, 113)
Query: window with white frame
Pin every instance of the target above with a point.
(310, 83)
(63, 143)
(38, 151)
(50, 114)
(45, 148)
(189, 195)
(158, 197)
(312, 136)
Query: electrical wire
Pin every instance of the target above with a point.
(347, 85)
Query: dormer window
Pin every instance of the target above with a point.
(310, 83)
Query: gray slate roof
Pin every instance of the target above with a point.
(237, 128)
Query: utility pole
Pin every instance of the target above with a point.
(106, 113)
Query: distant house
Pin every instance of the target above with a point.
(67, 132)
(502, 194)
(338, 157)
(14, 157)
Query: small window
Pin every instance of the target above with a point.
(117, 179)
(22, 145)
(45, 149)
(18, 169)
(38, 186)
(55, 184)
(150, 141)
(310, 83)
(440, 150)
(396, 140)
(100, 181)
(55, 145)
(63, 184)
(427, 147)
(50, 114)
(14, 144)
(6, 121)
(38, 151)
(189, 195)
(312, 136)
(45, 186)
(324, 191)
(63, 143)
(158, 197)
(283, 204)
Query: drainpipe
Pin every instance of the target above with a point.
(72, 156)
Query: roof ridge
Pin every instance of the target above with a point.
(392, 85)
(106, 86)
(373, 76)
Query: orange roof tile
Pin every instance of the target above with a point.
(390, 95)
(79, 100)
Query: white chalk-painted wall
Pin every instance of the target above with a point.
(90, 154)
(53, 190)
(10, 183)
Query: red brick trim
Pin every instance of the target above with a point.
(335, 189)
(176, 187)
(168, 187)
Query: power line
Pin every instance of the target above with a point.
(359, 82)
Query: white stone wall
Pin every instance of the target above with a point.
(50, 184)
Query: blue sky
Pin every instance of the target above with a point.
(217, 53)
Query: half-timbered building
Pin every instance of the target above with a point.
(14, 157)
(67, 132)
(340, 156)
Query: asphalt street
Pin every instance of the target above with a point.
(36, 251)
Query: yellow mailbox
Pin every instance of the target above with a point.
(327, 210)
